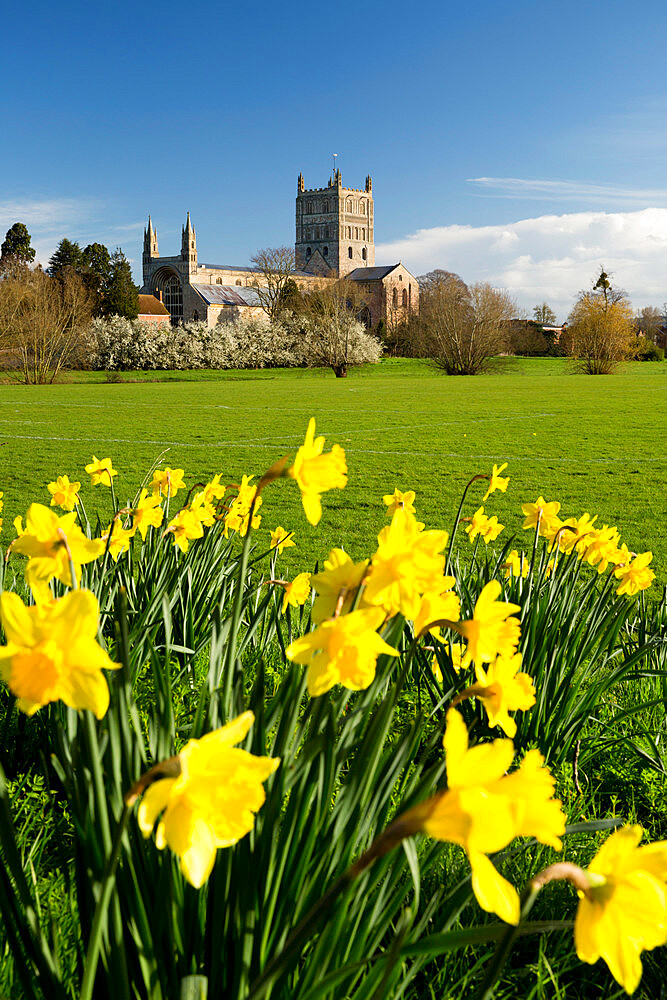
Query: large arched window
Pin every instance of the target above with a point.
(394, 298)
(173, 299)
(218, 281)
(404, 298)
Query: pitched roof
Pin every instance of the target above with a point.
(149, 305)
(252, 270)
(227, 295)
(370, 273)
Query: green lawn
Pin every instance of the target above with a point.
(596, 444)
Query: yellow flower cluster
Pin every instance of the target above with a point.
(598, 546)
(480, 524)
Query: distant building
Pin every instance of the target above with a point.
(334, 239)
(152, 310)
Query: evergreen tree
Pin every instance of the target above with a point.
(16, 246)
(122, 295)
(67, 254)
(96, 273)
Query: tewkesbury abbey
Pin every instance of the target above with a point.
(334, 239)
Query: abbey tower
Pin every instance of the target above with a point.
(334, 227)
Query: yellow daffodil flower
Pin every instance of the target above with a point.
(336, 585)
(215, 490)
(397, 500)
(167, 482)
(624, 910)
(542, 513)
(213, 801)
(297, 591)
(342, 650)
(600, 547)
(575, 530)
(281, 539)
(238, 515)
(484, 809)
(185, 527)
(502, 689)
(490, 632)
(435, 606)
(496, 481)
(2, 503)
(101, 471)
(491, 529)
(316, 472)
(63, 493)
(406, 565)
(516, 565)
(437, 672)
(52, 653)
(148, 513)
(46, 539)
(203, 509)
(120, 539)
(635, 575)
(477, 524)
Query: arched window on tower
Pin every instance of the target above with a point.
(394, 298)
(404, 298)
(349, 252)
(325, 252)
(364, 254)
(238, 281)
(349, 205)
(356, 232)
(173, 299)
(218, 281)
(308, 251)
(349, 232)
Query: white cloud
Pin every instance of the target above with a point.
(547, 190)
(46, 214)
(549, 257)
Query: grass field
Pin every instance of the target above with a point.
(595, 444)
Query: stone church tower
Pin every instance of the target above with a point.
(334, 227)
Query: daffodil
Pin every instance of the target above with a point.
(502, 688)
(316, 472)
(49, 541)
(624, 909)
(203, 509)
(477, 524)
(281, 539)
(120, 539)
(635, 575)
(407, 564)
(52, 653)
(342, 650)
(213, 801)
(516, 565)
(484, 809)
(215, 490)
(491, 529)
(101, 471)
(148, 513)
(496, 481)
(336, 586)
(439, 605)
(167, 482)
(185, 527)
(297, 591)
(600, 547)
(543, 514)
(574, 530)
(238, 516)
(63, 493)
(397, 501)
(491, 632)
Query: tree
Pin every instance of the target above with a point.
(16, 247)
(649, 323)
(333, 335)
(463, 327)
(275, 266)
(44, 322)
(544, 315)
(600, 328)
(66, 254)
(122, 295)
(96, 272)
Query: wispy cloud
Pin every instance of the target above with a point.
(559, 190)
(549, 257)
(47, 214)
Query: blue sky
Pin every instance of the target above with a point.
(522, 143)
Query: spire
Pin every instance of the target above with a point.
(369, 183)
(300, 184)
(150, 240)
(189, 243)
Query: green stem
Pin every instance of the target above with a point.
(99, 918)
(505, 945)
(450, 548)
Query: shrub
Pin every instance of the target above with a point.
(645, 350)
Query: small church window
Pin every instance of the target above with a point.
(218, 281)
(349, 232)
(364, 254)
(308, 252)
(363, 234)
(349, 205)
(238, 281)
(349, 252)
(325, 252)
(394, 298)
(404, 297)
